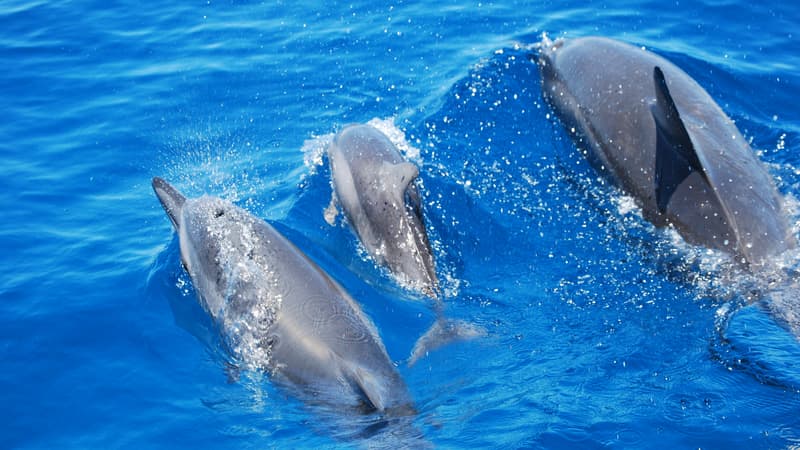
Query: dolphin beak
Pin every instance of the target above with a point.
(171, 199)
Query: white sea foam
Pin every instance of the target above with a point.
(397, 136)
(314, 150)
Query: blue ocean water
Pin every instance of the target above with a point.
(602, 331)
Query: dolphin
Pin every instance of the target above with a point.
(378, 192)
(278, 310)
(663, 139)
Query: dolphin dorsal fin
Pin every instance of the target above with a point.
(676, 157)
(399, 176)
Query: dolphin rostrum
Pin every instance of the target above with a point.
(376, 187)
(665, 141)
(277, 309)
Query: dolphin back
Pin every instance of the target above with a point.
(377, 190)
(664, 140)
(278, 310)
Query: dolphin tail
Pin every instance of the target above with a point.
(171, 200)
(442, 332)
(676, 157)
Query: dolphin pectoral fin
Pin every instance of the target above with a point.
(443, 332)
(171, 200)
(676, 157)
(332, 211)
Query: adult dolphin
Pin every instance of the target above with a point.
(277, 309)
(665, 141)
(376, 188)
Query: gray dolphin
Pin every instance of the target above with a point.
(377, 190)
(277, 309)
(666, 142)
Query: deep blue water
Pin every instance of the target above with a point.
(602, 331)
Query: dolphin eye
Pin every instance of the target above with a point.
(219, 213)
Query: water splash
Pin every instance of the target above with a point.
(314, 151)
(397, 136)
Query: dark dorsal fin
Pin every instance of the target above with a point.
(676, 157)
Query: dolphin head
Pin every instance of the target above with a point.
(210, 232)
(208, 224)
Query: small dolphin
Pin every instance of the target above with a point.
(377, 190)
(665, 141)
(278, 310)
